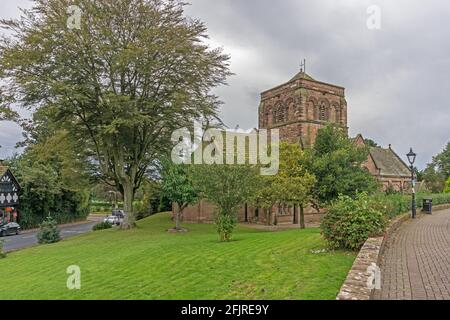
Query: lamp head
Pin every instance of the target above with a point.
(411, 157)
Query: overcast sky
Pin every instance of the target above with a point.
(397, 78)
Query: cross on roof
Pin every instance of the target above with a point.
(303, 66)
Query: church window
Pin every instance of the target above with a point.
(323, 112)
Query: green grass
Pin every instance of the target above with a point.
(149, 263)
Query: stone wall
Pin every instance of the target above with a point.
(355, 285)
(203, 212)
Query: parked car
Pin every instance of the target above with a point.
(114, 220)
(118, 213)
(9, 229)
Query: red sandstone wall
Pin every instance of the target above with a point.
(203, 212)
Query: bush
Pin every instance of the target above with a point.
(225, 225)
(102, 226)
(350, 221)
(49, 232)
(2, 254)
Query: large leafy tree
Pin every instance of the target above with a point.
(178, 187)
(54, 180)
(133, 72)
(336, 163)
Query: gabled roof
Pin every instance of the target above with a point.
(388, 162)
(4, 171)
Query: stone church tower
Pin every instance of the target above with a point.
(300, 107)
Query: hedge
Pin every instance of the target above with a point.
(396, 204)
(66, 207)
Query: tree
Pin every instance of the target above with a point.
(437, 171)
(447, 187)
(178, 186)
(132, 72)
(290, 186)
(264, 196)
(54, 180)
(434, 178)
(293, 183)
(442, 161)
(48, 232)
(370, 143)
(336, 163)
(228, 187)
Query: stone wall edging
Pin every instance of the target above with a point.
(355, 285)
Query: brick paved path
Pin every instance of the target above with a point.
(416, 262)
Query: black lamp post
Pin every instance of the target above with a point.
(411, 159)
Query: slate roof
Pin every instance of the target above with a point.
(389, 163)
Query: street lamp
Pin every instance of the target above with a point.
(411, 159)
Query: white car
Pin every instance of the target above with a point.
(114, 220)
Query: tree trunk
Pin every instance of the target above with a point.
(302, 217)
(268, 216)
(295, 214)
(178, 216)
(275, 216)
(129, 221)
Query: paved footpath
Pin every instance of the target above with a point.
(416, 262)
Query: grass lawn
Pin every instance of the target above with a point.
(149, 263)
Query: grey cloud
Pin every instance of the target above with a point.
(396, 78)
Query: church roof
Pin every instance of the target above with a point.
(301, 75)
(388, 162)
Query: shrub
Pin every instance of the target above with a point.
(225, 225)
(2, 254)
(102, 226)
(49, 232)
(350, 221)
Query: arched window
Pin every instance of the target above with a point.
(323, 115)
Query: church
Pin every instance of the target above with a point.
(298, 109)
(301, 106)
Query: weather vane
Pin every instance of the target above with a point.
(303, 66)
